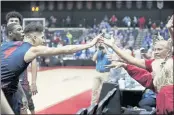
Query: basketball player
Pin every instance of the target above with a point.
(24, 92)
(17, 55)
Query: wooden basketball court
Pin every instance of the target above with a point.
(59, 84)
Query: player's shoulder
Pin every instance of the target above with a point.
(25, 44)
(11, 44)
(16, 43)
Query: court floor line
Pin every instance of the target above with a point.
(57, 85)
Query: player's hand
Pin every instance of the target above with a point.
(109, 42)
(33, 88)
(111, 57)
(116, 64)
(170, 22)
(96, 39)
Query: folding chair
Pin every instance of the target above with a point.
(91, 110)
(103, 103)
(82, 111)
(153, 112)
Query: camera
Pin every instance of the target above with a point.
(101, 47)
(143, 50)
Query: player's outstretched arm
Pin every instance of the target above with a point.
(34, 77)
(33, 52)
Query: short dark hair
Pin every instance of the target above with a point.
(10, 27)
(14, 14)
(33, 27)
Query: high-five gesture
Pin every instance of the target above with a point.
(112, 57)
(96, 39)
(116, 64)
(110, 42)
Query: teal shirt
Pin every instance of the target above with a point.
(102, 60)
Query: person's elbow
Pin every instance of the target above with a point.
(94, 59)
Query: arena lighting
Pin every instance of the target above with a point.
(35, 9)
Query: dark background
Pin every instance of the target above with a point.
(78, 15)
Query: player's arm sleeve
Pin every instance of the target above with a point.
(148, 64)
(142, 76)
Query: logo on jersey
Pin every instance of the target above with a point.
(8, 52)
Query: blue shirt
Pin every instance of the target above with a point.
(149, 93)
(102, 60)
(78, 53)
(12, 64)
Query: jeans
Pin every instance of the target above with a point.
(147, 103)
(117, 73)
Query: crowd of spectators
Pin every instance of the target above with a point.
(125, 37)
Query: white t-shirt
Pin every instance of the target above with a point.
(128, 51)
(92, 49)
(83, 55)
(150, 53)
(137, 54)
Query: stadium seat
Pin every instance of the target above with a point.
(153, 112)
(101, 106)
(91, 110)
(82, 111)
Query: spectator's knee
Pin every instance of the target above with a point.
(141, 104)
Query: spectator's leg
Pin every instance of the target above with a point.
(147, 103)
(104, 78)
(95, 89)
